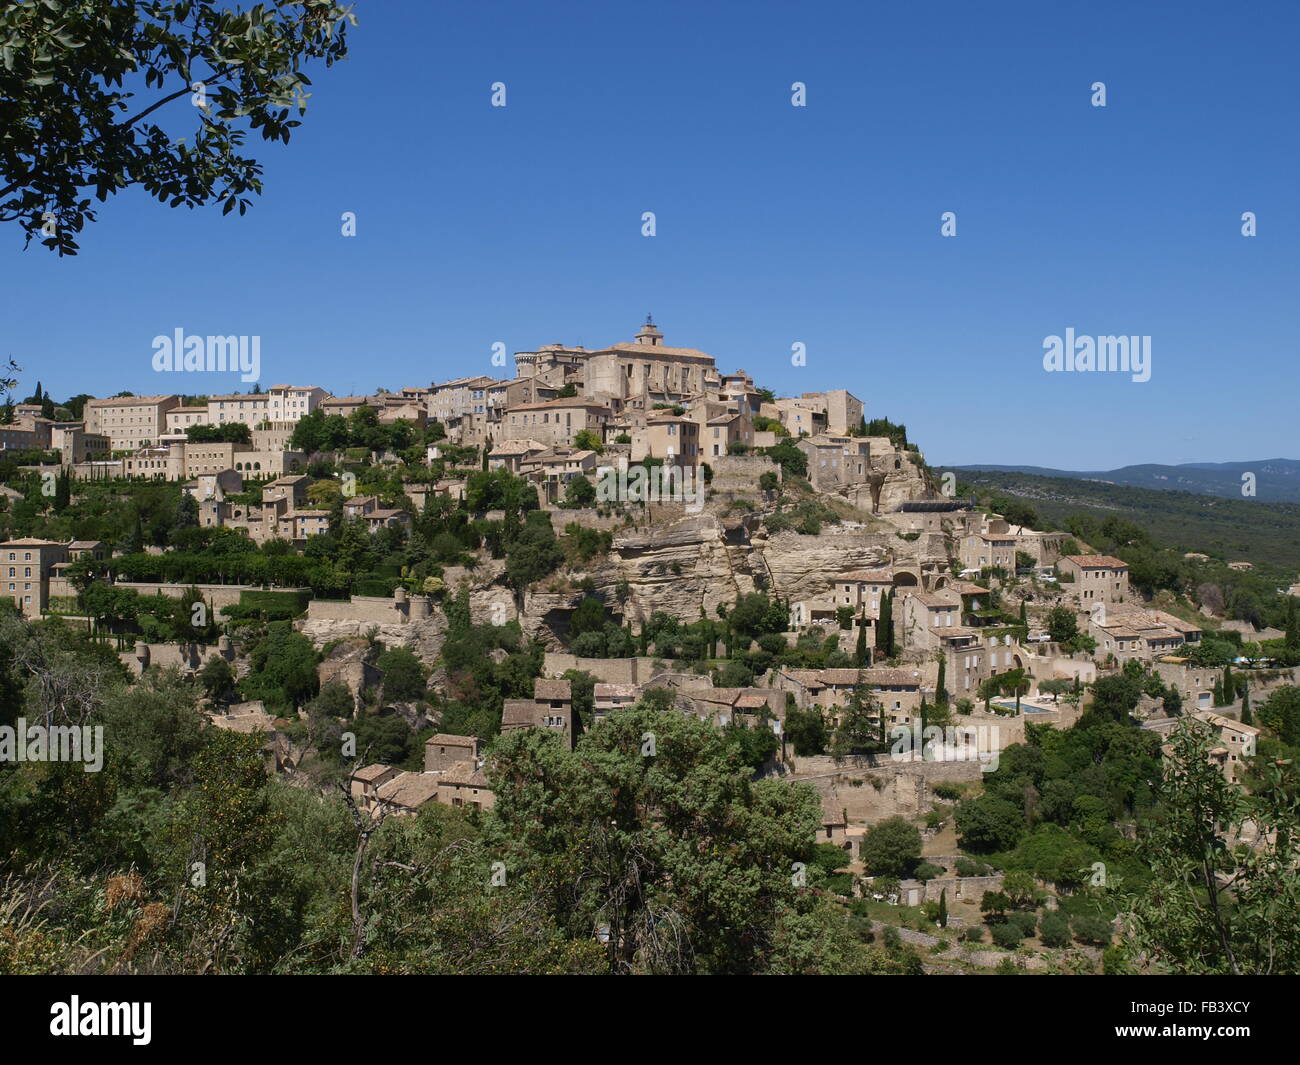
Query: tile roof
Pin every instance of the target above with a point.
(1096, 561)
(410, 790)
(546, 688)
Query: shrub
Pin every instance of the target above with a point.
(890, 847)
(1025, 922)
(1094, 930)
(1054, 930)
(1006, 935)
(403, 675)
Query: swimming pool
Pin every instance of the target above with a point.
(1026, 707)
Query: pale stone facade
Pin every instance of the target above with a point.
(129, 422)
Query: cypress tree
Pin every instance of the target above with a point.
(1229, 685)
(860, 655)
(941, 696)
(882, 623)
(1247, 718)
(943, 908)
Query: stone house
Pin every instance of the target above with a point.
(1095, 578)
(556, 421)
(25, 568)
(674, 439)
(551, 707)
(836, 461)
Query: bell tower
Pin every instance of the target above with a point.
(649, 334)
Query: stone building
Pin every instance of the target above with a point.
(836, 462)
(673, 438)
(129, 422)
(551, 707)
(556, 421)
(1095, 578)
(26, 565)
(645, 368)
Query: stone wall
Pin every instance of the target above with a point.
(399, 622)
(740, 473)
(589, 518)
(186, 657)
(605, 670)
(362, 609)
(218, 595)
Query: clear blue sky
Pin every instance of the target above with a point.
(776, 224)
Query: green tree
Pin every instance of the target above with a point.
(579, 493)
(885, 626)
(858, 730)
(64, 69)
(588, 440)
(655, 833)
(1054, 930)
(891, 848)
(1062, 624)
(282, 669)
(1115, 697)
(1213, 903)
(534, 554)
(989, 823)
(218, 678)
(404, 679)
(806, 730)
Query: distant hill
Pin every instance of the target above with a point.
(1228, 527)
(1276, 480)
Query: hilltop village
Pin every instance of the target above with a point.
(379, 587)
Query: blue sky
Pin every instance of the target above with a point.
(775, 225)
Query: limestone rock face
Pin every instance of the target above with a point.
(423, 636)
(805, 567)
(680, 568)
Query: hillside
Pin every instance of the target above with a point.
(1276, 480)
(1253, 529)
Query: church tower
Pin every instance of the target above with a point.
(649, 334)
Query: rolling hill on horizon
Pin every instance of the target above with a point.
(1275, 480)
(1254, 530)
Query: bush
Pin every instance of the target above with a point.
(1054, 930)
(891, 847)
(1024, 921)
(403, 675)
(974, 934)
(1006, 935)
(970, 867)
(1094, 930)
(927, 871)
